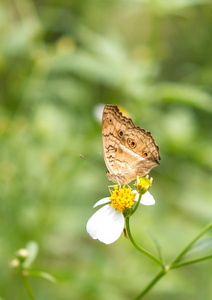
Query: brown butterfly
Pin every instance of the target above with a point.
(129, 151)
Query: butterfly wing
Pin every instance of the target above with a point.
(129, 151)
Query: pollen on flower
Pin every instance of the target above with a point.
(122, 198)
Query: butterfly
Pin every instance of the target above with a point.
(129, 151)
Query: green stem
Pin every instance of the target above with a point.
(174, 264)
(136, 205)
(209, 226)
(151, 284)
(142, 250)
(27, 286)
(191, 262)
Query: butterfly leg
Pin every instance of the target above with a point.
(111, 186)
(129, 186)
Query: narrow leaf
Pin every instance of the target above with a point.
(32, 247)
(200, 246)
(44, 275)
(158, 246)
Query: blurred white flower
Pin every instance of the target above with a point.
(98, 109)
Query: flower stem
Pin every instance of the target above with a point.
(174, 264)
(136, 205)
(151, 284)
(27, 286)
(142, 250)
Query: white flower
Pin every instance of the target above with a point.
(107, 224)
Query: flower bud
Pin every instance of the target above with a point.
(143, 184)
(22, 254)
(15, 263)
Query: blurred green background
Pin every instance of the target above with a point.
(59, 61)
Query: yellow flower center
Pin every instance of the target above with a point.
(122, 198)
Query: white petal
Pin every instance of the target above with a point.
(102, 201)
(106, 224)
(146, 199)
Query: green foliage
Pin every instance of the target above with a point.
(58, 61)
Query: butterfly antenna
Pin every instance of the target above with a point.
(93, 162)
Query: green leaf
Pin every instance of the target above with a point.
(32, 247)
(186, 95)
(158, 246)
(44, 275)
(200, 246)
